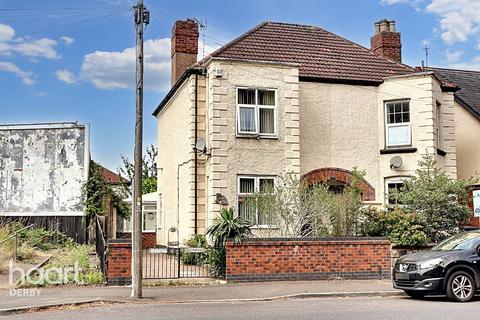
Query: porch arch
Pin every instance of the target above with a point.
(339, 175)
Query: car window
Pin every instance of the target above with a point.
(461, 241)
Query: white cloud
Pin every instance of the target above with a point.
(67, 40)
(6, 32)
(116, 69)
(26, 76)
(66, 76)
(413, 3)
(33, 48)
(453, 56)
(471, 65)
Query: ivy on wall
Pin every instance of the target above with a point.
(96, 189)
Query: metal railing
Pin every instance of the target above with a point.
(15, 237)
(177, 262)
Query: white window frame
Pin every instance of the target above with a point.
(392, 125)
(257, 108)
(128, 222)
(257, 179)
(393, 180)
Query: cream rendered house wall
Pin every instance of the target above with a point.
(339, 128)
(343, 126)
(176, 141)
(424, 92)
(467, 129)
(231, 155)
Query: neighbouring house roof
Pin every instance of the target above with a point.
(469, 82)
(112, 177)
(320, 54)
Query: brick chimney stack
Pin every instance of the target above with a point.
(386, 41)
(184, 47)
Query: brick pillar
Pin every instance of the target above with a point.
(386, 41)
(119, 262)
(184, 47)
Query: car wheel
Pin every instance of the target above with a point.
(461, 287)
(415, 294)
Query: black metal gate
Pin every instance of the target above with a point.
(175, 263)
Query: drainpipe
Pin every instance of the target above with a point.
(196, 154)
(178, 197)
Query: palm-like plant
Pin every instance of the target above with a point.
(227, 226)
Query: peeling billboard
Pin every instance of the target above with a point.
(43, 168)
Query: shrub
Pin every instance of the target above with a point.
(298, 208)
(227, 226)
(400, 227)
(196, 258)
(439, 201)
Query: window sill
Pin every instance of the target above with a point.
(398, 150)
(441, 152)
(255, 136)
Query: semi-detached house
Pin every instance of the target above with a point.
(296, 98)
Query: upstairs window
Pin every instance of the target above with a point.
(398, 127)
(256, 111)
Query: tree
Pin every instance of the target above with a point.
(149, 170)
(439, 201)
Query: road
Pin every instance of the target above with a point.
(370, 308)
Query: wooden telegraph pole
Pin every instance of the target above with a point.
(141, 16)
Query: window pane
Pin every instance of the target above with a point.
(247, 119)
(390, 108)
(149, 221)
(247, 210)
(266, 185)
(398, 118)
(247, 185)
(406, 117)
(398, 107)
(406, 106)
(267, 120)
(399, 135)
(246, 96)
(266, 98)
(391, 118)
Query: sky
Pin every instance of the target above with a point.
(75, 60)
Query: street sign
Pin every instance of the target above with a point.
(476, 203)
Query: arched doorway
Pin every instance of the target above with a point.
(337, 179)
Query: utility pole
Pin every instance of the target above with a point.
(141, 16)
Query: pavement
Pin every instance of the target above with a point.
(229, 292)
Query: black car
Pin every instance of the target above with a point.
(452, 268)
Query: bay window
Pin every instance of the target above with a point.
(256, 111)
(398, 126)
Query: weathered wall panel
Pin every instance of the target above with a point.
(42, 169)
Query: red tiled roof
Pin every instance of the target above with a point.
(112, 177)
(319, 53)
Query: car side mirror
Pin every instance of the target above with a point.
(478, 251)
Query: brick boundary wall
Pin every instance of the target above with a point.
(149, 239)
(308, 259)
(119, 262)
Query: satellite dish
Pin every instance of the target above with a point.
(396, 162)
(200, 145)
